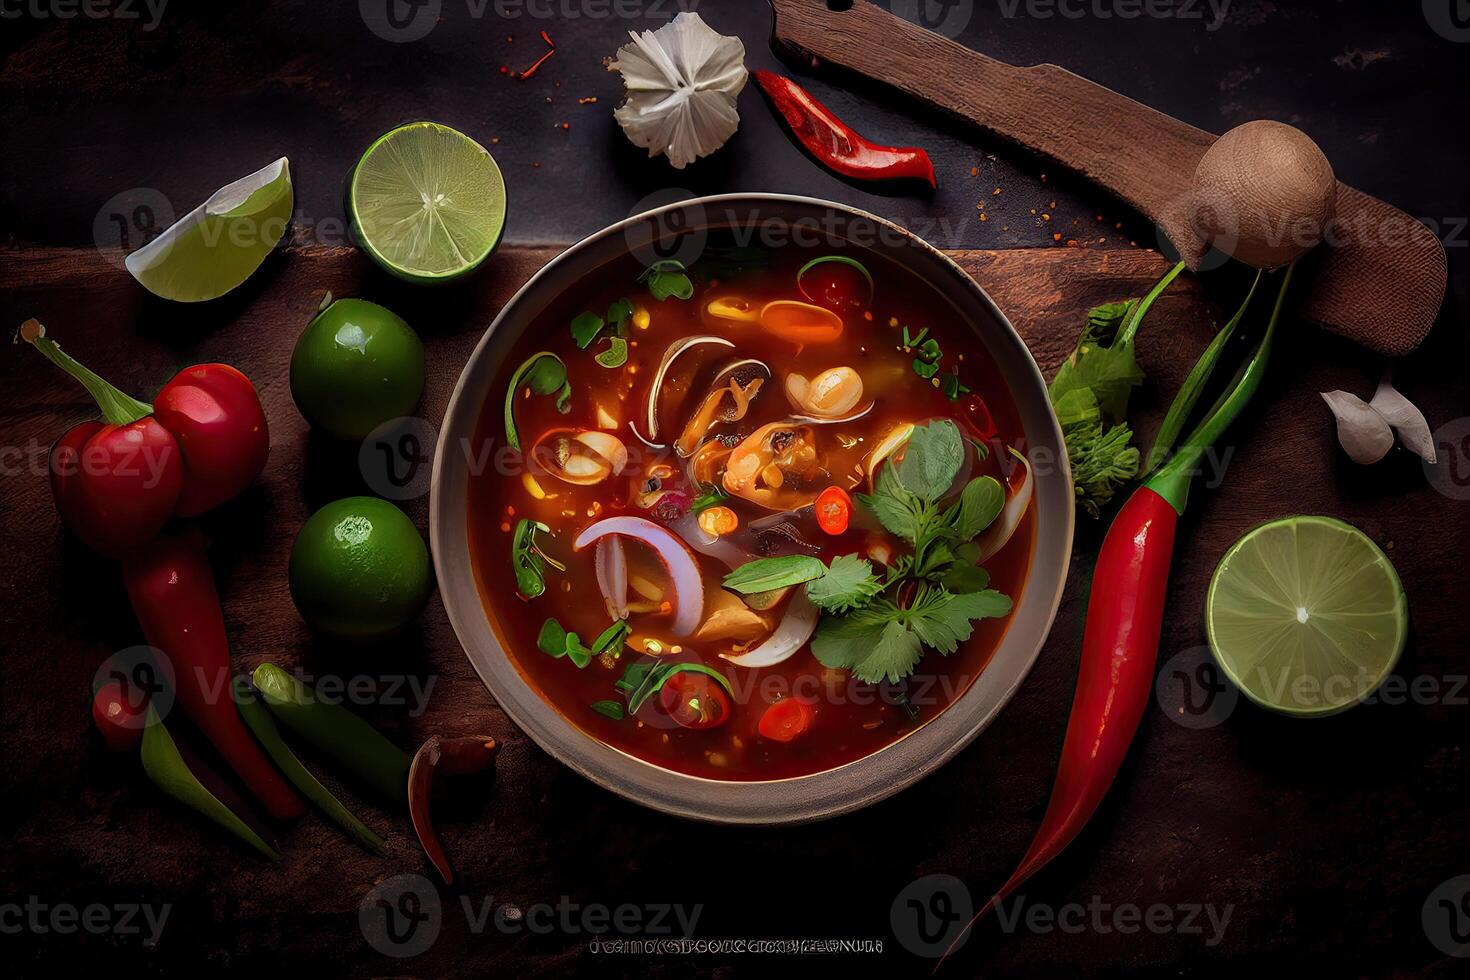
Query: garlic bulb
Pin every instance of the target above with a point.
(681, 82)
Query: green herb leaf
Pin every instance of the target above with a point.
(979, 505)
(709, 496)
(611, 709)
(1104, 322)
(544, 373)
(656, 677)
(618, 314)
(616, 354)
(1101, 460)
(1110, 373)
(892, 505)
(848, 584)
(931, 458)
(610, 640)
(950, 384)
(557, 642)
(666, 278)
(765, 574)
(528, 559)
(883, 642)
(585, 328)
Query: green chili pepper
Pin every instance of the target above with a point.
(165, 765)
(335, 731)
(263, 727)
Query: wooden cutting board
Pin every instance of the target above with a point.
(63, 612)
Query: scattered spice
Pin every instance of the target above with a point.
(536, 65)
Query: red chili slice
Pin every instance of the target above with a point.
(694, 700)
(833, 510)
(786, 719)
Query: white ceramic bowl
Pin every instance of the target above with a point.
(803, 798)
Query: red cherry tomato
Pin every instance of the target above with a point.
(694, 700)
(786, 719)
(834, 510)
(119, 713)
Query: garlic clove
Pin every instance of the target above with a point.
(1364, 434)
(1406, 420)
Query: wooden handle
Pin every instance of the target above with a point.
(1381, 283)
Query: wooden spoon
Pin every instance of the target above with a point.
(1380, 280)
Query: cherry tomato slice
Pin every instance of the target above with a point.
(834, 510)
(694, 700)
(786, 719)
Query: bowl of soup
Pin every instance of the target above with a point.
(751, 509)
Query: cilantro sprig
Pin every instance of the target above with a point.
(1090, 395)
(877, 624)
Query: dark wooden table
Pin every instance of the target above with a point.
(1322, 839)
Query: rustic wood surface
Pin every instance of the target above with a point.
(1323, 838)
(1381, 284)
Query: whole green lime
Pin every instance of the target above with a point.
(359, 569)
(356, 366)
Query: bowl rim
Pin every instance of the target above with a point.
(790, 800)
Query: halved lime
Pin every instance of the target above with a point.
(427, 202)
(1306, 615)
(216, 247)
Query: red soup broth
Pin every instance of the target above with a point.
(849, 719)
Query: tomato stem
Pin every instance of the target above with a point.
(117, 407)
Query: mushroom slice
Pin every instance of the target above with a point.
(731, 619)
(735, 309)
(728, 400)
(830, 396)
(580, 457)
(800, 323)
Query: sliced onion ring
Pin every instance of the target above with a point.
(797, 625)
(612, 575)
(998, 533)
(686, 585)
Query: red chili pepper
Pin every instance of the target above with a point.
(1125, 616)
(116, 483)
(172, 590)
(833, 510)
(1125, 613)
(835, 144)
(452, 757)
(119, 712)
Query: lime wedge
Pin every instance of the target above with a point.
(427, 202)
(1306, 615)
(216, 247)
